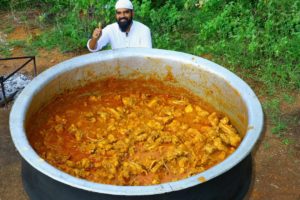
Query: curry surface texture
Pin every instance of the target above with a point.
(131, 132)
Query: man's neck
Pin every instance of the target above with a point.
(128, 29)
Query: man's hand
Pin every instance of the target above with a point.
(96, 35)
(97, 32)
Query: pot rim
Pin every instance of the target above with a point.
(22, 103)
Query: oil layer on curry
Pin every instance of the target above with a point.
(131, 132)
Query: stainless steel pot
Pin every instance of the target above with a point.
(215, 84)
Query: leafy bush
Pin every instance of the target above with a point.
(262, 35)
(5, 4)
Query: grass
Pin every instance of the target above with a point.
(288, 141)
(289, 99)
(9, 29)
(279, 121)
(266, 145)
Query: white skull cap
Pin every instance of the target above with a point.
(124, 4)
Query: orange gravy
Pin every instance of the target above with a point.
(131, 132)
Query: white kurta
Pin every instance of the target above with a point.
(138, 36)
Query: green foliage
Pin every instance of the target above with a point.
(280, 123)
(5, 51)
(5, 4)
(8, 29)
(266, 145)
(262, 36)
(288, 141)
(272, 108)
(289, 99)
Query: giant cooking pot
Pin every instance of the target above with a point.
(224, 90)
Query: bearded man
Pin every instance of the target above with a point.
(122, 34)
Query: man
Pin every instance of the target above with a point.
(122, 34)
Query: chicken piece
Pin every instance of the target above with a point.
(179, 102)
(204, 159)
(178, 112)
(117, 97)
(174, 125)
(115, 113)
(79, 123)
(224, 138)
(218, 143)
(83, 163)
(155, 125)
(213, 119)
(111, 126)
(165, 120)
(111, 138)
(155, 181)
(199, 138)
(142, 137)
(72, 128)
(221, 155)
(181, 170)
(227, 129)
(98, 164)
(182, 162)
(175, 153)
(188, 108)
(60, 120)
(156, 165)
(211, 132)
(193, 132)
(128, 101)
(138, 131)
(167, 110)
(231, 133)
(137, 168)
(120, 110)
(93, 98)
(131, 151)
(121, 146)
(175, 140)
(90, 148)
(184, 126)
(88, 114)
(102, 115)
(59, 128)
(70, 163)
(115, 161)
(112, 171)
(146, 112)
(201, 112)
(153, 102)
(70, 113)
(209, 148)
(92, 119)
(78, 135)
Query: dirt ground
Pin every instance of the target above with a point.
(276, 165)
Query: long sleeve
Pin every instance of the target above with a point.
(148, 41)
(103, 41)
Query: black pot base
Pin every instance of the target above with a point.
(232, 185)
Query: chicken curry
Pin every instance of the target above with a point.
(131, 132)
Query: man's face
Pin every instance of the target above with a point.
(124, 18)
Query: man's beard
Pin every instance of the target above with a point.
(124, 24)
